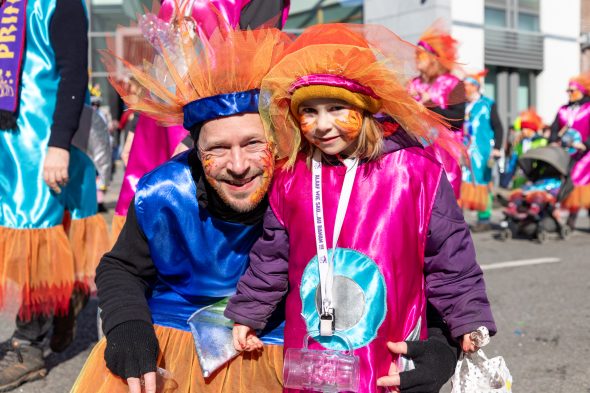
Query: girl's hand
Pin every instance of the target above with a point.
(245, 338)
(467, 344)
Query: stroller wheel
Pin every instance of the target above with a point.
(505, 234)
(564, 232)
(541, 236)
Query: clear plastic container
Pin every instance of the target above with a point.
(321, 370)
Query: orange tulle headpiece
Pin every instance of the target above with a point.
(582, 83)
(368, 61)
(191, 65)
(476, 78)
(438, 41)
(530, 119)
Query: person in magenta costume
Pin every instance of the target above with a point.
(575, 117)
(441, 91)
(390, 253)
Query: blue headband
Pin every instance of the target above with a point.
(472, 80)
(222, 105)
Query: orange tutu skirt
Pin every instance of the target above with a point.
(578, 199)
(474, 196)
(248, 373)
(40, 267)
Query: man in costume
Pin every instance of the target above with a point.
(153, 144)
(574, 117)
(51, 237)
(191, 225)
(441, 91)
(483, 135)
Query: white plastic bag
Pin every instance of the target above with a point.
(475, 373)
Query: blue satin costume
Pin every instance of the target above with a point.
(26, 202)
(481, 135)
(199, 258)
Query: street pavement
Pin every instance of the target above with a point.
(541, 309)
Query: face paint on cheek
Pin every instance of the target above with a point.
(208, 163)
(268, 166)
(306, 124)
(351, 126)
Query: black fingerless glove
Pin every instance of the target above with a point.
(132, 349)
(435, 360)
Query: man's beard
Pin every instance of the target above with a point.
(247, 202)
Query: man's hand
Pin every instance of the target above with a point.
(435, 360)
(245, 338)
(149, 382)
(55, 168)
(496, 153)
(132, 353)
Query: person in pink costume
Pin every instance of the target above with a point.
(154, 144)
(574, 118)
(403, 239)
(441, 91)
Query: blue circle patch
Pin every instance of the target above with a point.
(372, 307)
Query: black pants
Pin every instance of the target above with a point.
(35, 331)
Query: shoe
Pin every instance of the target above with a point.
(481, 227)
(64, 326)
(21, 363)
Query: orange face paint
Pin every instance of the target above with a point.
(306, 124)
(268, 164)
(352, 125)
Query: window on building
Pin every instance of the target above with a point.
(520, 15)
(309, 12)
(495, 17)
(528, 22)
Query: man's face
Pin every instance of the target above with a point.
(237, 159)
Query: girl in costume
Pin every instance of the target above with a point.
(371, 205)
(483, 135)
(571, 118)
(442, 92)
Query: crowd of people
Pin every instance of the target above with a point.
(277, 190)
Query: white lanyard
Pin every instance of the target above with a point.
(325, 264)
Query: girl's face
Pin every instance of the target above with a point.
(331, 125)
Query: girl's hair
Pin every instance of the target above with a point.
(369, 143)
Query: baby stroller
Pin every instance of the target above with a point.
(531, 210)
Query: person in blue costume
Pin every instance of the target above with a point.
(483, 136)
(51, 237)
(192, 223)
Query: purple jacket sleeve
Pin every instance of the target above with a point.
(454, 281)
(265, 282)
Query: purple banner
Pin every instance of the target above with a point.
(13, 21)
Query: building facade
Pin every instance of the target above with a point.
(530, 47)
